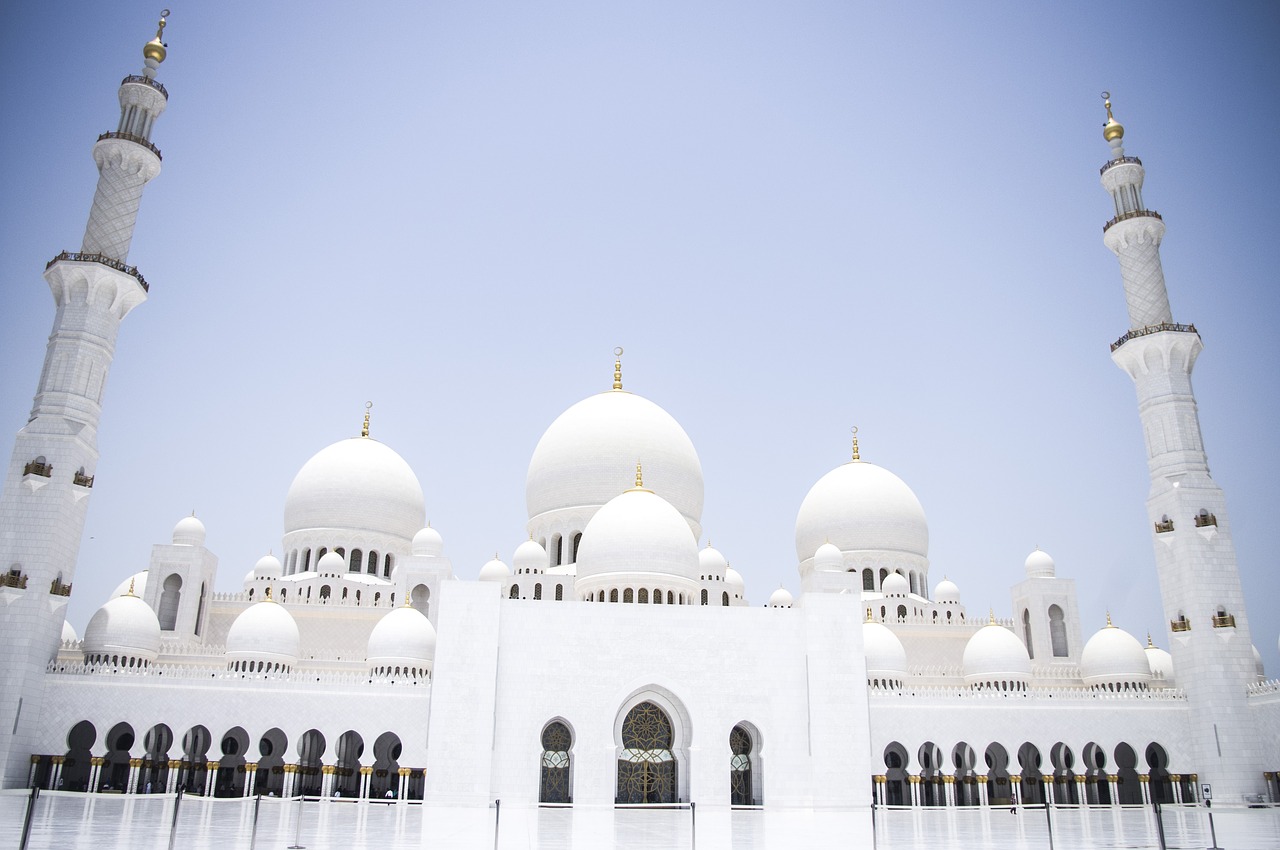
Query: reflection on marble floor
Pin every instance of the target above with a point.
(94, 822)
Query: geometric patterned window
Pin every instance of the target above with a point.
(740, 767)
(646, 765)
(556, 742)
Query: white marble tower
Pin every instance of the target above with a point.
(1195, 559)
(50, 476)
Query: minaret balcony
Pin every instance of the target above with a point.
(82, 480)
(38, 467)
(13, 579)
(1154, 329)
(1131, 214)
(155, 84)
(1120, 160)
(1164, 526)
(138, 140)
(57, 588)
(109, 262)
(1224, 621)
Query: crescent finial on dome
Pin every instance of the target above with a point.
(1113, 129)
(854, 431)
(639, 476)
(130, 593)
(155, 48)
(1150, 645)
(617, 368)
(991, 613)
(364, 430)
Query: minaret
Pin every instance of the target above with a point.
(1195, 559)
(50, 477)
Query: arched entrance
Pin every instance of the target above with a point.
(155, 767)
(385, 782)
(269, 781)
(647, 770)
(743, 779)
(555, 778)
(77, 763)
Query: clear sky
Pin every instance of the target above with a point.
(795, 217)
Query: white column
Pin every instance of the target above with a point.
(984, 794)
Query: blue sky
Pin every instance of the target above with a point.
(794, 217)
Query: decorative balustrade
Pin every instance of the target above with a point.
(213, 674)
(57, 588)
(1120, 160)
(1154, 329)
(1261, 688)
(82, 480)
(139, 78)
(14, 579)
(1131, 214)
(1206, 520)
(1056, 693)
(38, 467)
(130, 137)
(109, 262)
(1164, 526)
(1182, 624)
(1224, 621)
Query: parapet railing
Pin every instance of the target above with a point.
(1120, 160)
(109, 262)
(1154, 329)
(1131, 214)
(139, 78)
(137, 140)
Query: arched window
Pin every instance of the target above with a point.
(740, 785)
(577, 540)
(646, 765)
(557, 550)
(724, 599)
(537, 590)
(515, 591)
(704, 596)
(169, 600)
(902, 613)
(357, 561)
(644, 596)
(306, 561)
(613, 595)
(556, 784)
(868, 579)
(628, 595)
(1026, 632)
(1058, 632)
(671, 598)
(325, 591)
(420, 598)
(388, 564)
(559, 592)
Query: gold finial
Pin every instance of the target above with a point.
(1113, 129)
(155, 48)
(1150, 645)
(991, 612)
(364, 432)
(639, 477)
(617, 368)
(130, 591)
(1109, 625)
(870, 619)
(854, 431)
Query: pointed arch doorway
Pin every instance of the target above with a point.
(647, 768)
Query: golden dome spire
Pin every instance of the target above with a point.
(639, 477)
(1150, 645)
(1109, 624)
(617, 368)
(991, 612)
(130, 591)
(155, 48)
(870, 619)
(364, 431)
(1113, 129)
(854, 431)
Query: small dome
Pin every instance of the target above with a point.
(886, 658)
(403, 638)
(1161, 664)
(494, 570)
(124, 632)
(895, 584)
(1114, 660)
(249, 577)
(264, 632)
(69, 633)
(733, 578)
(711, 562)
(1039, 565)
(530, 557)
(638, 532)
(427, 543)
(946, 592)
(356, 485)
(780, 598)
(268, 566)
(137, 581)
(188, 532)
(331, 564)
(994, 657)
(861, 507)
(586, 457)
(828, 558)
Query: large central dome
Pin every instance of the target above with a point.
(861, 507)
(589, 454)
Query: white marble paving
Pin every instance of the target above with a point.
(93, 822)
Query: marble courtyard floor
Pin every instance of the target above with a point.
(70, 821)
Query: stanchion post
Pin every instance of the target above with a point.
(497, 821)
(31, 810)
(693, 825)
(173, 827)
(874, 843)
(297, 833)
(253, 831)
(1048, 817)
(1155, 804)
(1213, 834)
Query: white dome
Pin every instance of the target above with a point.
(249, 577)
(331, 563)
(494, 570)
(861, 507)
(138, 581)
(733, 578)
(1113, 657)
(529, 557)
(895, 584)
(125, 628)
(638, 533)
(356, 485)
(994, 656)
(69, 633)
(781, 598)
(1160, 663)
(711, 562)
(268, 566)
(588, 456)
(1039, 565)
(264, 632)
(828, 558)
(403, 638)
(886, 658)
(427, 543)
(188, 532)
(946, 592)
